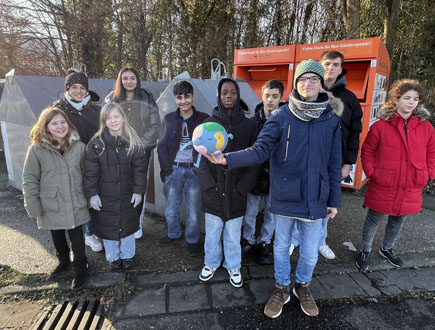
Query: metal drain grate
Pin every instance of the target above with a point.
(82, 315)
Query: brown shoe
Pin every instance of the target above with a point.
(280, 297)
(308, 305)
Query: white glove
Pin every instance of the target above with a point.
(95, 202)
(136, 199)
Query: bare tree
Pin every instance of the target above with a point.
(391, 21)
(351, 17)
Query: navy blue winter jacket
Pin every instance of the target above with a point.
(305, 161)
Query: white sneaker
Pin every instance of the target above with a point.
(235, 277)
(290, 251)
(207, 273)
(138, 234)
(94, 243)
(326, 252)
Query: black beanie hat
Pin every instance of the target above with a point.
(75, 77)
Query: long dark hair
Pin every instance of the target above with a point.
(119, 90)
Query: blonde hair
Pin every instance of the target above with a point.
(128, 132)
(39, 132)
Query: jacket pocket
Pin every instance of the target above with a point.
(49, 200)
(81, 199)
(238, 201)
(288, 189)
(213, 197)
(421, 174)
(384, 174)
(324, 190)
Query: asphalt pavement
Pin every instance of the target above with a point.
(167, 294)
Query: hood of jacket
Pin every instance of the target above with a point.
(421, 112)
(339, 82)
(237, 113)
(336, 104)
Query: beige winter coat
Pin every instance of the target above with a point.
(52, 186)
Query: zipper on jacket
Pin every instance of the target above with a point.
(287, 142)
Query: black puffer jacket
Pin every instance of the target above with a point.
(261, 187)
(224, 191)
(143, 116)
(87, 120)
(351, 125)
(113, 175)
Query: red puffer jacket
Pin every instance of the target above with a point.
(398, 165)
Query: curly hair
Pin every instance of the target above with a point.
(401, 87)
(39, 132)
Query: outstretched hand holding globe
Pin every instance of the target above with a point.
(209, 139)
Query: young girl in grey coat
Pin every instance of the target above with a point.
(52, 188)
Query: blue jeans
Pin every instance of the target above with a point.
(250, 218)
(392, 229)
(310, 232)
(296, 236)
(183, 180)
(231, 241)
(123, 249)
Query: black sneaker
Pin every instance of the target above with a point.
(115, 265)
(362, 262)
(165, 241)
(391, 257)
(193, 249)
(127, 263)
(264, 255)
(246, 248)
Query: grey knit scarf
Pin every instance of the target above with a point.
(306, 111)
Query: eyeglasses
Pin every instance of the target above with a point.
(312, 79)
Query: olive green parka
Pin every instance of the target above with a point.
(52, 186)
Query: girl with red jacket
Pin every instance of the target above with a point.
(398, 155)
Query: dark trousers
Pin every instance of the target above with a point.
(77, 243)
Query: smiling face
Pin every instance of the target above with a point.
(58, 128)
(407, 103)
(77, 92)
(129, 81)
(184, 102)
(229, 95)
(306, 88)
(114, 122)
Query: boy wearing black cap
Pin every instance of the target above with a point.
(303, 141)
(224, 192)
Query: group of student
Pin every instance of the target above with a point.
(291, 155)
(88, 165)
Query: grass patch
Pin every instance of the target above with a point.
(10, 276)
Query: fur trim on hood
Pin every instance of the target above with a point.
(421, 111)
(336, 104)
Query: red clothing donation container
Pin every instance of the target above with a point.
(366, 61)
